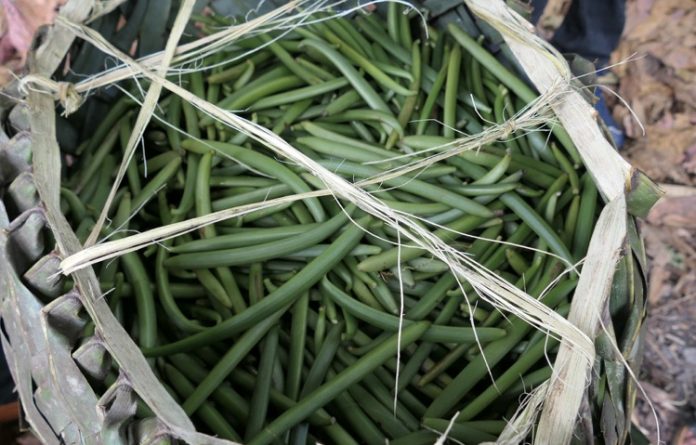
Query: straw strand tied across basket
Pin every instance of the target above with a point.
(588, 397)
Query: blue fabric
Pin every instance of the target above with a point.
(591, 29)
(616, 133)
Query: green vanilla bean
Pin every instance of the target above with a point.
(258, 405)
(477, 369)
(341, 382)
(510, 80)
(442, 334)
(288, 324)
(260, 252)
(276, 302)
(263, 163)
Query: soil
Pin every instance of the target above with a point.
(657, 84)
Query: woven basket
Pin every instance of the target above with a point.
(55, 379)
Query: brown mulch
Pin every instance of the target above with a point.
(659, 85)
(669, 365)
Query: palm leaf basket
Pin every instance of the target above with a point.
(74, 337)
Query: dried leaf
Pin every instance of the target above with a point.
(675, 212)
(19, 21)
(658, 86)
